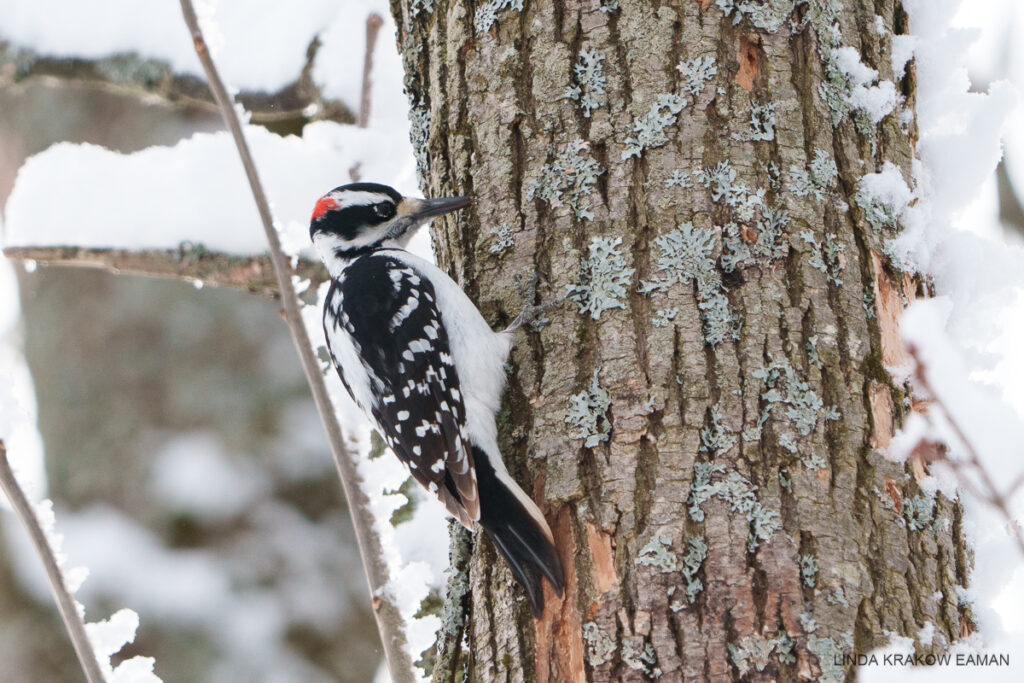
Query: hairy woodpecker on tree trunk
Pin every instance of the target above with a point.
(416, 355)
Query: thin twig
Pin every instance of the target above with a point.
(992, 494)
(373, 24)
(65, 603)
(253, 274)
(389, 620)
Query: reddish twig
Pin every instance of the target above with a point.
(989, 492)
(389, 620)
(65, 603)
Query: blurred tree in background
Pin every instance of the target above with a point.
(133, 376)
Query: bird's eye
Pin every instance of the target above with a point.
(384, 209)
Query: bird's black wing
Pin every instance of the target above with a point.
(391, 315)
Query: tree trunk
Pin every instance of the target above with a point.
(703, 421)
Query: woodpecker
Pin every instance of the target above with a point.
(420, 360)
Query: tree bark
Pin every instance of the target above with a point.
(703, 422)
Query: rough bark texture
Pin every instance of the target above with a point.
(716, 488)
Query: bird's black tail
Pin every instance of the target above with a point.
(519, 532)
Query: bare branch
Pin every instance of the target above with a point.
(65, 603)
(990, 492)
(389, 619)
(373, 24)
(253, 274)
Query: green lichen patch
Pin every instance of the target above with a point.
(639, 655)
(588, 82)
(418, 6)
(721, 180)
(714, 439)
(753, 652)
(680, 179)
(818, 180)
(502, 239)
(828, 257)
(919, 511)
(657, 554)
(786, 389)
(686, 258)
(600, 648)
(808, 570)
(604, 278)
(568, 179)
(741, 251)
(838, 597)
(665, 316)
(692, 561)
(649, 129)
(830, 658)
(588, 413)
(487, 14)
(769, 16)
(697, 73)
(762, 124)
(419, 135)
(741, 497)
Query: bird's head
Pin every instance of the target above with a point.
(354, 219)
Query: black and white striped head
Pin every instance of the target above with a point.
(352, 220)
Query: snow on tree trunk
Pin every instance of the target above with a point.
(703, 420)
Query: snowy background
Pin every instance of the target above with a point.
(223, 527)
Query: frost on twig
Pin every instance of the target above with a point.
(94, 643)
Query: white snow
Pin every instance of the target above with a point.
(17, 395)
(108, 637)
(193, 474)
(968, 331)
(258, 44)
(877, 100)
(196, 190)
(887, 187)
(902, 52)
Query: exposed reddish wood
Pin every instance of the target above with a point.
(881, 415)
(600, 543)
(894, 493)
(703, 4)
(559, 653)
(749, 56)
(888, 311)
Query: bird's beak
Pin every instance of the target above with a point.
(424, 209)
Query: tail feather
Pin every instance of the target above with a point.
(520, 534)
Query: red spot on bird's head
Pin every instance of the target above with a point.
(323, 205)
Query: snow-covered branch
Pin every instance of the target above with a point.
(388, 616)
(300, 101)
(203, 268)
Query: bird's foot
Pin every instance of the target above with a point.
(532, 314)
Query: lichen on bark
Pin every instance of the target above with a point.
(789, 400)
